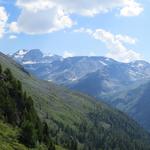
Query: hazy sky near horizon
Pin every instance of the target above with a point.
(114, 28)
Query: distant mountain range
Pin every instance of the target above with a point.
(92, 75)
(123, 85)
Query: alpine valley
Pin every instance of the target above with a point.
(37, 114)
(122, 85)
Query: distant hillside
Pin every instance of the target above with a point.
(77, 121)
(135, 102)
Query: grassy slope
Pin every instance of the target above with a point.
(8, 138)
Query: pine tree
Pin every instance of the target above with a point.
(9, 75)
(45, 132)
(28, 134)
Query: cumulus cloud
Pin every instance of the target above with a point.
(39, 17)
(44, 21)
(116, 44)
(3, 20)
(44, 16)
(132, 8)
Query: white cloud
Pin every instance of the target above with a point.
(13, 27)
(115, 44)
(12, 37)
(3, 20)
(68, 54)
(44, 16)
(132, 8)
(44, 21)
(126, 39)
(124, 55)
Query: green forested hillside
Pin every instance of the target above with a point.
(76, 121)
(16, 109)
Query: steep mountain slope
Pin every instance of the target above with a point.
(98, 83)
(78, 72)
(135, 102)
(112, 77)
(16, 109)
(9, 139)
(78, 121)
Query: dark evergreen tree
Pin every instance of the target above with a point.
(45, 132)
(28, 134)
(8, 74)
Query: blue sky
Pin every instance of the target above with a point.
(118, 29)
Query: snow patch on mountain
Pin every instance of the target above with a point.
(29, 62)
(20, 53)
(103, 63)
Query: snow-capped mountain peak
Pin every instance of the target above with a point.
(20, 53)
(34, 56)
